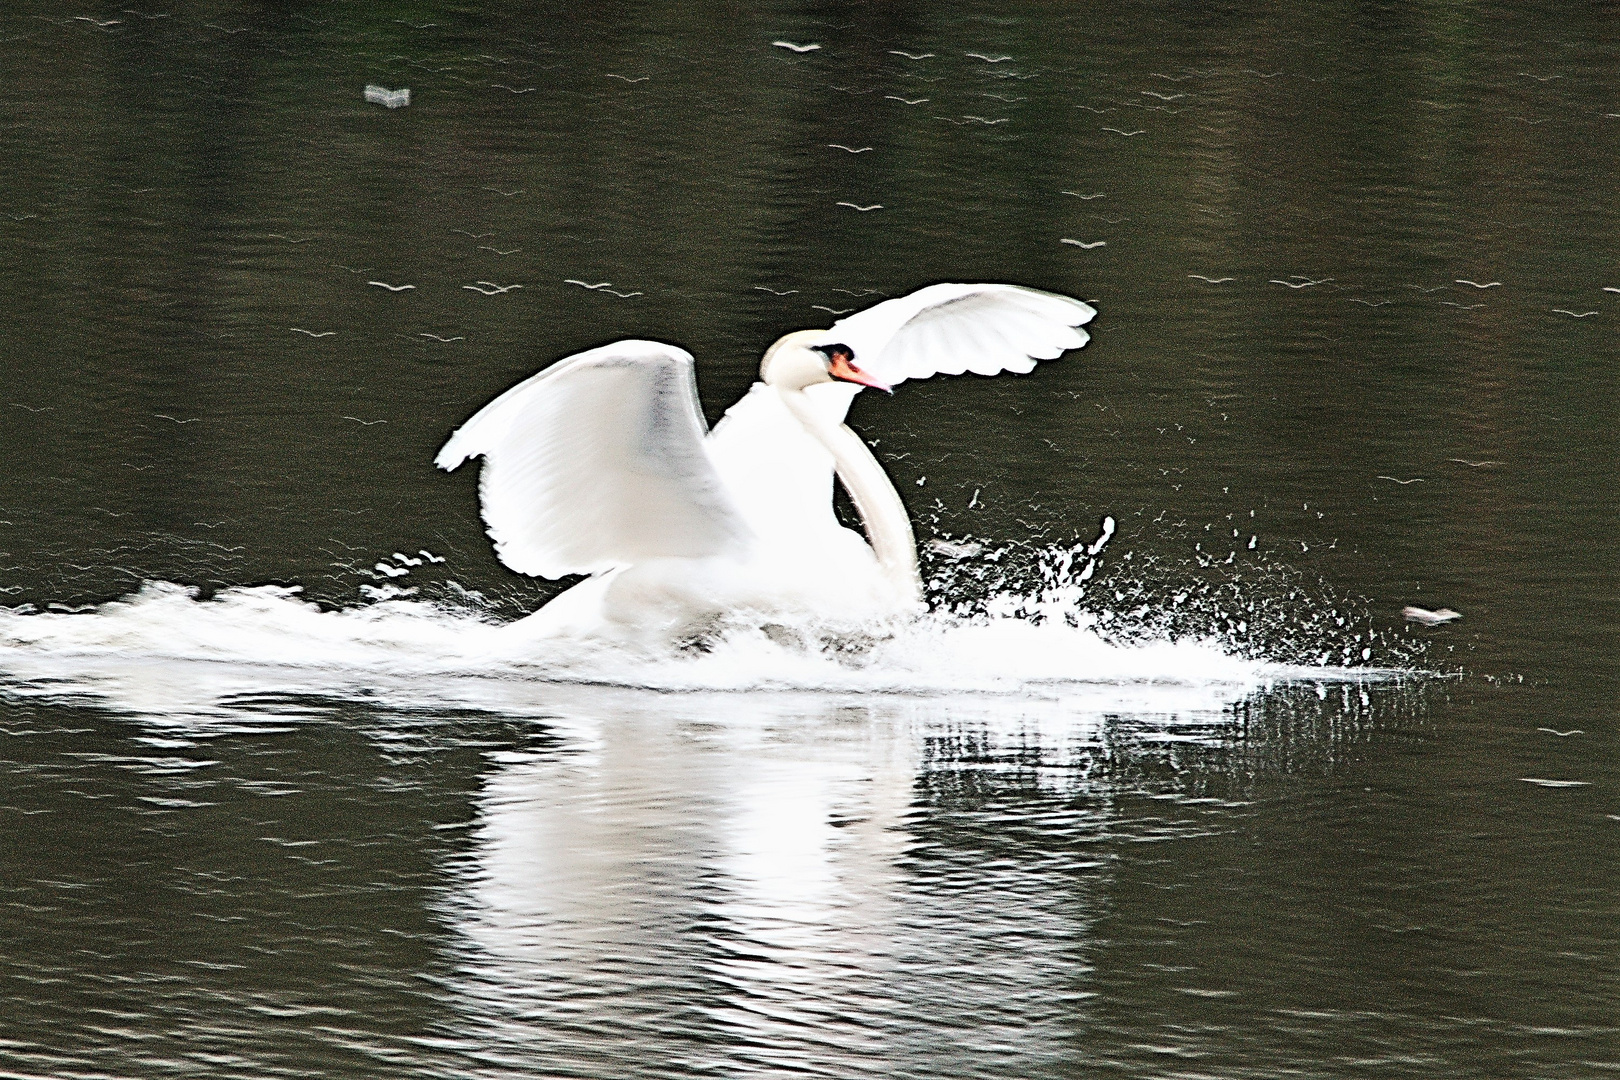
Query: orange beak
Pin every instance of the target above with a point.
(841, 368)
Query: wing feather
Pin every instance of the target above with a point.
(598, 462)
(950, 329)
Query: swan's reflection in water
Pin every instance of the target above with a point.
(750, 883)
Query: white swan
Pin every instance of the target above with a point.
(601, 465)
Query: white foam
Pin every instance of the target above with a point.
(164, 651)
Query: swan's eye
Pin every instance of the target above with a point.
(842, 367)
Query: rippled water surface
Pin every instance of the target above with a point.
(283, 792)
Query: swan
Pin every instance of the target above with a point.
(602, 465)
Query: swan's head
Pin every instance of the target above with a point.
(806, 357)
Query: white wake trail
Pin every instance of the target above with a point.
(166, 650)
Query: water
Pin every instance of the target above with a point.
(284, 794)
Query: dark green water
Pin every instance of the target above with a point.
(244, 838)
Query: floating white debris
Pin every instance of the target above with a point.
(393, 99)
(1539, 782)
(1430, 618)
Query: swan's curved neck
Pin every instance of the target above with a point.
(888, 527)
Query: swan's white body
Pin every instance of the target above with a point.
(601, 465)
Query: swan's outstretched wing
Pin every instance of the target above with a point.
(598, 462)
(953, 329)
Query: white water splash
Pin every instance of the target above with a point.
(1022, 633)
(166, 650)
(273, 625)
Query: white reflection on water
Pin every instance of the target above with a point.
(747, 882)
